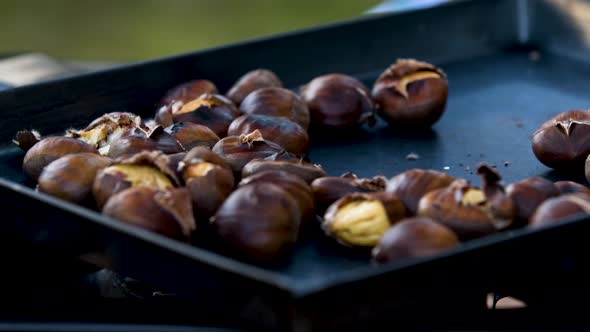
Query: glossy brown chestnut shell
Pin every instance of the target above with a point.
(413, 184)
(277, 102)
(329, 189)
(237, 151)
(259, 221)
(50, 149)
(188, 91)
(250, 82)
(361, 219)
(137, 140)
(570, 187)
(190, 135)
(71, 176)
(562, 142)
(167, 212)
(338, 101)
(213, 111)
(553, 210)
(411, 94)
(25, 139)
(286, 133)
(529, 193)
(413, 238)
(469, 211)
(306, 171)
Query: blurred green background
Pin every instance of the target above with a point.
(112, 30)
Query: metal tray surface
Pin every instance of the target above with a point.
(503, 80)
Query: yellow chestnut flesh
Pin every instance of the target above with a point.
(141, 176)
(361, 223)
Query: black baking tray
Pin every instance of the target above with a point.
(511, 66)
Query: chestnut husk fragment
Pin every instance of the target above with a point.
(413, 184)
(338, 101)
(190, 135)
(259, 222)
(562, 142)
(570, 187)
(528, 194)
(166, 212)
(411, 94)
(329, 189)
(286, 133)
(50, 149)
(360, 219)
(188, 91)
(25, 139)
(250, 82)
(553, 210)
(277, 102)
(306, 171)
(71, 176)
(413, 238)
(136, 140)
(210, 110)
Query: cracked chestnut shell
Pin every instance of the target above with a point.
(49, 149)
(570, 187)
(338, 101)
(329, 189)
(137, 140)
(167, 212)
(413, 184)
(277, 102)
(554, 209)
(361, 219)
(562, 142)
(213, 111)
(145, 169)
(294, 185)
(237, 151)
(71, 176)
(529, 193)
(25, 139)
(306, 171)
(288, 134)
(413, 238)
(250, 82)
(181, 94)
(259, 221)
(411, 93)
(190, 135)
(469, 211)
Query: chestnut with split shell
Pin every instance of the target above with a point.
(555, 209)
(137, 140)
(306, 171)
(190, 135)
(213, 111)
(327, 190)
(413, 184)
(277, 102)
(250, 82)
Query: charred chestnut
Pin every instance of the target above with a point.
(361, 219)
(71, 176)
(329, 189)
(213, 111)
(306, 171)
(562, 142)
(167, 212)
(553, 210)
(250, 82)
(413, 184)
(528, 194)
(412, 238)
(286, 133)
(190, 135)
(411, 94)
(277, 102)
(338, 101)
(237, 151)
(25, 139)
(469, 211)
(259, 221)
(137, 140)
(570, 187)
(50, 149)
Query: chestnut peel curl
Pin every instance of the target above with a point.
(250, 82)
(237, 151)
(277, 102)
(411, 94)
(360, 219)
(555, 209)
(306, 171)
(413, 184)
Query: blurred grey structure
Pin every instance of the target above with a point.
(402, 5)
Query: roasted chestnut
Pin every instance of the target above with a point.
(213, 111)
(190, 135)
(528, 194)
(412, 238)
(50, 149)
(250, 82)
(360, 219)
(71, 176)
(174, 162)
(286, 133)
(469, 211)
(570, 187)
(106, 129)
(259, 221)
(237, 151)
(413, 184)
(188, 91)
(144, 169)
(306, 171)
(562, 142)
(278, 102)
(338, 101)
(411, 94)
(167, 212)
(137, 140)
(329, 189)
(294, 185)
(209, 179)
(553, 210)
(25, 139)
